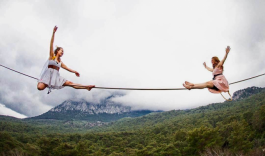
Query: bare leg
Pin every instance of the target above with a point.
(208, 84)
(41, 86)
(78, 86)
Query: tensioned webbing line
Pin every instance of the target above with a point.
(138, 88)
(19, 72)
(247, 79)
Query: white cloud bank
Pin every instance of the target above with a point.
(9, 112)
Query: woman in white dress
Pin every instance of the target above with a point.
(50, 76)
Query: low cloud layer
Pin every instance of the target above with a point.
(139, 44)
(9, 112)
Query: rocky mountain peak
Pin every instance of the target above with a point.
(105, 111)
(106, 106)
(244, 93)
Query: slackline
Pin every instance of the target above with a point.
(138, 88)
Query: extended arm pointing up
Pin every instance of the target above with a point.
(221, 63)
(51, 44)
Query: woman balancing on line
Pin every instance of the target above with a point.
(219, 83)
(50, 76)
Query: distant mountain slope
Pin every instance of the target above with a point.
(244, 93)
(105, 111)
(251, 99)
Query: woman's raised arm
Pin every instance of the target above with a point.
(51, 44)
(227, 50)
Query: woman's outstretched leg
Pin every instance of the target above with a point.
(189, 85)
(78, 86)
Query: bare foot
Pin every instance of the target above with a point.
(187, 86)
(188, 83)
(90, 87)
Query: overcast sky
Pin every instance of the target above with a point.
(153, 44)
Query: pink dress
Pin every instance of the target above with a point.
(220, 82)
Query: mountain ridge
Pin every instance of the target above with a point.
(244, 93)
(105, 111)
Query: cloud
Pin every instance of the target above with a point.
(139, 44)
(7, 111)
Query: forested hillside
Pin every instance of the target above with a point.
(229, 128)
(208, 115)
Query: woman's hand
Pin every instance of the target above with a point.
(227, 49)
(55, 29)
(204, 64)
(77, 74)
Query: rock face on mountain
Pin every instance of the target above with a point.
(244, 93)
(83, 106)
(105, 111)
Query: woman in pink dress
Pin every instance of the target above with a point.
(50, 76)
(219, 83)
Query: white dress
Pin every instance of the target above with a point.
(51, 77)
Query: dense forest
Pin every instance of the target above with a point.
(229, 128)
